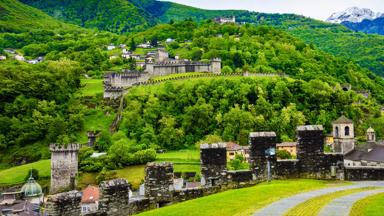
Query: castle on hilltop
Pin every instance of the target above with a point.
(161, 65)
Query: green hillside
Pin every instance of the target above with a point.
(18, 17)
(111, 15)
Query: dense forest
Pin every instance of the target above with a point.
(176, 115)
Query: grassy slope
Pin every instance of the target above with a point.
(240, 202)
(16, 175)
(372, 206)
(18, 17)
(92, 87)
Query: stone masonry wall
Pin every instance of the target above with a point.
(64, 166)
(363, 174)
(63, 204)
(114, 197)
(213, 161)
(259, 142)
(159, 183)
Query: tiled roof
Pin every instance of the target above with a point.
(343, 120)
(375, 154)
(90, 194)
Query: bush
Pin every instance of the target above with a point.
(144, 156)
(283, 154)
(238, 163)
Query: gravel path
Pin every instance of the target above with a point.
(280, 207)
(342, 206)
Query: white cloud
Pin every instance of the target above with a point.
(320, 9)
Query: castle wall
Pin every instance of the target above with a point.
(364, 174)
(213, 161)
(259, 143)
(63, 204)
(158, 183)
(114, 197)
(64, 166)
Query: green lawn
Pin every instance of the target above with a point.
(92, 87)
(241, 201)
(16, 175)
(372, 206)
(313, 206)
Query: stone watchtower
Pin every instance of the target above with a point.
(213, 161)
(216, 66)
(371, 135)
(343, 135)
(64, 166)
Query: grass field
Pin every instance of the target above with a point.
(372, 206)
(16, 175)
(313, 206)
(92, 87)
(241, 201)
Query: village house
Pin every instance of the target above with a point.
(19, 58)
(111, 47)
(2, 58)
(146, 45)
(290, 147)
(169, 40)
(234, 149)
(90, 200)
(225, 20)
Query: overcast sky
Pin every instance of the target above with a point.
(319, 9)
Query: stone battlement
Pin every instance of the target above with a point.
(262, 134)
(73, 147)
(213, 146)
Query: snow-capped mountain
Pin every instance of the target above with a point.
(354, 15)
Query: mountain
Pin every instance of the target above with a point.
(375, 26)
(116, 16)
(17, 17)
(354, 15)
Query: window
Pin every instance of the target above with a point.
(346, 131)
(337, 131)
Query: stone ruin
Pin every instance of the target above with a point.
(64, 166)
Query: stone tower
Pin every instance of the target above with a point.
(371, 135)
(64, 166)
(161, 55)
(216, 66)
(343, 135)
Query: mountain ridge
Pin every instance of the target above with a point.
(354, 15)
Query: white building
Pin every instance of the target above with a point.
(19, 58)
(2, 58)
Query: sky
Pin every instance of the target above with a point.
(318, 9)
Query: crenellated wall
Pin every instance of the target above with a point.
(63, 204)
(158, 183)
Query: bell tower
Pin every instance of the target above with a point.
(343, 135)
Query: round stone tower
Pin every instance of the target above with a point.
(64, 166)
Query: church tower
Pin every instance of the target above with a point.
(343, 135)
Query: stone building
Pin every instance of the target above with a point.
(164, 68)
(27, 201)
(290, 147)
(371, 135)
(234, 149)
(344, 136)
(90, 199)
(64, 166)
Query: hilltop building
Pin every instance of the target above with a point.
(225, 20)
